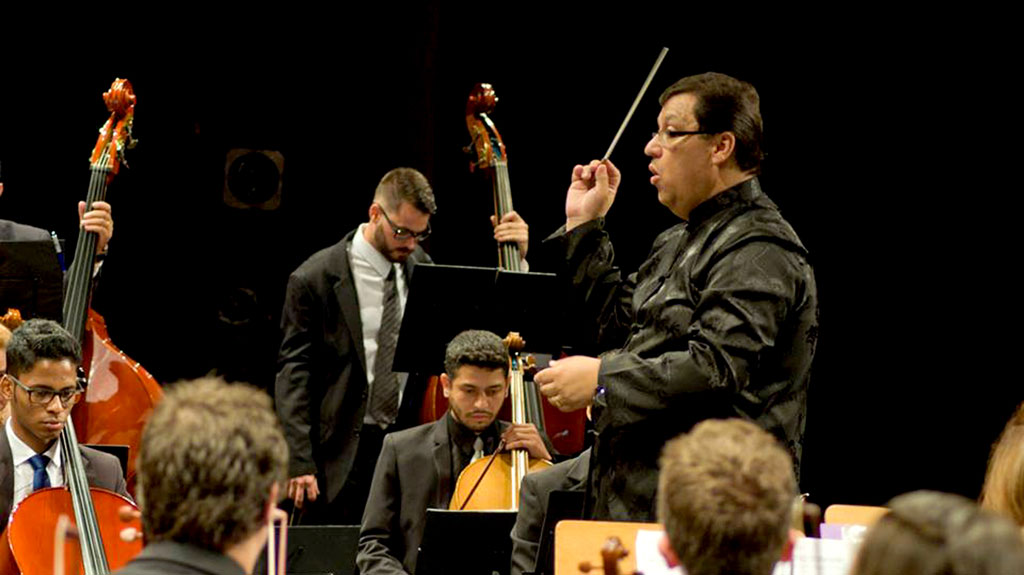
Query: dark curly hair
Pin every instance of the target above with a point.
(477, 348)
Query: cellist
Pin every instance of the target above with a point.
(418, 467)
(41, 385)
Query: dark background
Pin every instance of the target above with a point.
(880, 153)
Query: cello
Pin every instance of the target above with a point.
(566, 430)
(95, 511)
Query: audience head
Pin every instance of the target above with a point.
(932, 533)
(725, 496)
(210, 465)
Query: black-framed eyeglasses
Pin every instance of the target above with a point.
(43, 396)
(401, 233)
(662, 136)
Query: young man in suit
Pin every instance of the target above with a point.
(41, 386)
(418, 467)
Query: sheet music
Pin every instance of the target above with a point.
(819, 557)
(649, 560)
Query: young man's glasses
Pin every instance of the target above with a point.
(404, 233)
(43, 396)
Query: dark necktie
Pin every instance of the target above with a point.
(384, 397)
(39, 477)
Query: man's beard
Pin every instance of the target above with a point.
(397, 255)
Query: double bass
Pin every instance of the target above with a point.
(96, 512)
(566, 430)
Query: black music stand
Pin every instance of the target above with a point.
(446, 300)
(318, 550)
(562, 504)
(31, 280)
(481, 538)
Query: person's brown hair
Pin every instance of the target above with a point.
(725, 495)
(405, 185)
(725, 104)
(210, 454)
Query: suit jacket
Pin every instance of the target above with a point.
(414, 473)
(101, 470)
(569, 475)
(11, 231)
(321, 387)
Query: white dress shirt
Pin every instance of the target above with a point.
(23, 472)
(369, 269)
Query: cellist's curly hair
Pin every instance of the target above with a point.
(478, 348)
(39, 339)
(210, 453)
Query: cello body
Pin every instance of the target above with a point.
(27, 546)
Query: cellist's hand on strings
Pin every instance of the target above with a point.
(512, 228)
(569, 383)
(525, 436)
(98, 220)
(303, 488)
(591, 192)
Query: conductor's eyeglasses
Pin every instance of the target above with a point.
(665, 136)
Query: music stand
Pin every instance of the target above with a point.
(562, 504)
(482, 539)
(318, 550)
(446, 300)
(31, 280)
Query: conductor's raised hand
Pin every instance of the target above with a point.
(591, 192)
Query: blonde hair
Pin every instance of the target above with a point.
(1004, 482)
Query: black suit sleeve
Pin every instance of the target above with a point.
(381, 539)
(294, 376)
(527, 531)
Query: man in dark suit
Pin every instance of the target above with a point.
(330, 351)
(569, 475)
(335, 392)
(41, 386)
(211, 465)
(418, 467)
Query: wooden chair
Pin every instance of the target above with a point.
(854, 514)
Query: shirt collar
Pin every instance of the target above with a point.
(365, 251)
(746, 191)
(21, 452)
(204, 559)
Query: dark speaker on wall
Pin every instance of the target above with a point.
(252, 179)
